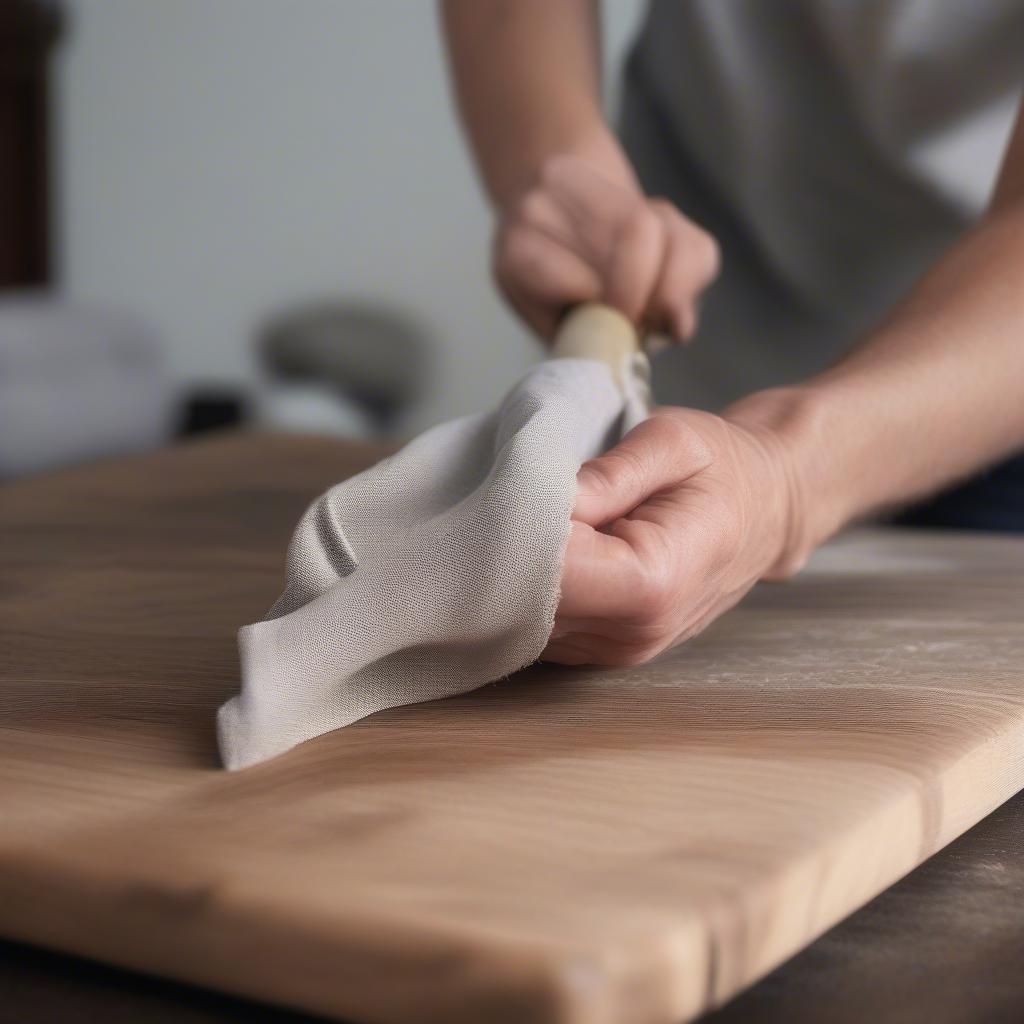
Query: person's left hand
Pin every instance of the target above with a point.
(671, 528)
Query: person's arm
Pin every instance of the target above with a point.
(573, 224)
(937, 391)
(677, 522)
(527, 77)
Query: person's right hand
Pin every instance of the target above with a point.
(579, 236)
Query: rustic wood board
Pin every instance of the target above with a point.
(576, 846)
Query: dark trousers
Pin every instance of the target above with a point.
(993, 500)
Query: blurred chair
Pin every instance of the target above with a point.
(351, 369)
(77, 382)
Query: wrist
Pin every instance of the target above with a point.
(595, 144)
(816, 502)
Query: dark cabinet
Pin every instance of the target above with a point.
(28, 30)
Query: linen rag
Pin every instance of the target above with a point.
(435, 571)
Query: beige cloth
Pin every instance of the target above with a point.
(430, 574)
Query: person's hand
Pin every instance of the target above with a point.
(580, 236)
(671, 528)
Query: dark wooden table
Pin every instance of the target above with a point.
(944, 946)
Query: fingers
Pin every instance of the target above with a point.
(671, 528)
(636, 257)
(691, 262)
(630, 567)
(612, 228)
(605, 642)
(621, 602)
(611, 600)
(626, 598)
(579, 236)
(655, 261)
(600, 575)
(658, 453)
(540, 276)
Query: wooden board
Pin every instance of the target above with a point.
(577, 846)
(943, 946)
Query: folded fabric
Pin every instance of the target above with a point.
(432, 573)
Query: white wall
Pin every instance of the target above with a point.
(220, 159)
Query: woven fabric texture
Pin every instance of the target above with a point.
(431, 573)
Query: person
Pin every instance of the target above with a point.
(849, 172)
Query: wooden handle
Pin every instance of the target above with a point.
(596, 331)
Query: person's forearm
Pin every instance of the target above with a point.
(527, 75)
(934, 394)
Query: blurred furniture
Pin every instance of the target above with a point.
(206, 410)
(351, 369)
(566, 845)
(77, 382)
(28, 31)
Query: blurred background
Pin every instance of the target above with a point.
(223, 212)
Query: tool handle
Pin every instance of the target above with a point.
(596, 331)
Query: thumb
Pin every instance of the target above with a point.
(659, 452)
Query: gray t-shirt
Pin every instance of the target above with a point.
(836, 147)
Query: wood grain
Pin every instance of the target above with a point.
(570, 846)
(942, 946)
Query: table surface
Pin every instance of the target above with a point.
(942, 946)
(565, 846)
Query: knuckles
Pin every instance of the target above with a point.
(636, 226)
(707, 254)
(616, 471)
(655, 598)
(532, 208)
(558, 171)
(639, 229)
(515, 252)
(677, 434)
(700, 249)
